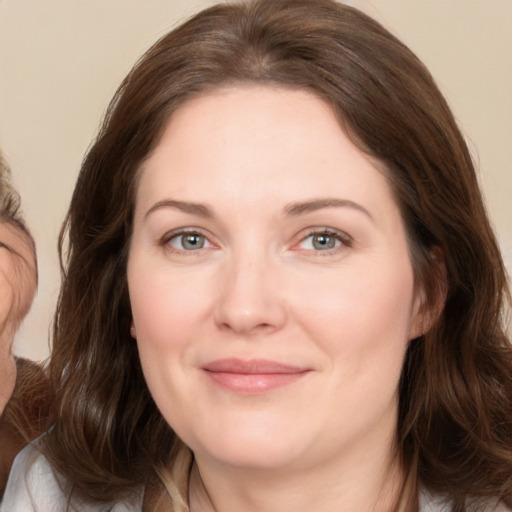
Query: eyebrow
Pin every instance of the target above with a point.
(193, 208)
(291, 209)
(303, 207)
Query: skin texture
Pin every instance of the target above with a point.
(266, 166)
(17, 289)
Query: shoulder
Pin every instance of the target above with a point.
(502, 508)
(33, 486)
(431, 503)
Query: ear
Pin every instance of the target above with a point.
(133, 334)
(426, 313)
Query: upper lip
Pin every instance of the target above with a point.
(251, 366)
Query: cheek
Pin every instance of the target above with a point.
(361, 323)
(166, 307)
(362, 307)
(169, 311)
(7, 375)
(163, 320)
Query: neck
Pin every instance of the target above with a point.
(366, 481)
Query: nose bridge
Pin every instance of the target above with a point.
(249, 299)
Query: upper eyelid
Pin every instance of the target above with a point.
(342, 235)
(184, 231)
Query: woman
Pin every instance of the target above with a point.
(23, 415)
(18, 277)
(282, 291)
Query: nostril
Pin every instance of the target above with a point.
(248, 299)
(262, 319)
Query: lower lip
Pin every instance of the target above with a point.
(253, 383)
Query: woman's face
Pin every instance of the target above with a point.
(17, 288)
(270, 282)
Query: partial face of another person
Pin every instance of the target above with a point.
(271, 285)
(17, 288)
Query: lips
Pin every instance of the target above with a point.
(255, 376)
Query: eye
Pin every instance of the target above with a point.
(323, 241)
(188, 241)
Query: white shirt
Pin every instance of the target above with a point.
(33, 487)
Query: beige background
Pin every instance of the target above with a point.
(61, 61)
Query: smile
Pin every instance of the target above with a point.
(252, 377)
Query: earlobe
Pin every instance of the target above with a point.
(429, 305)
(418, 323)
(133, 334)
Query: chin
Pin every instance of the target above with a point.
(253, 448)
(256, 458)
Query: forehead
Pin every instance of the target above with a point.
(237, 141)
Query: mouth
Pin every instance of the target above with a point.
(252, 377)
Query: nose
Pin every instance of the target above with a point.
(250, 298)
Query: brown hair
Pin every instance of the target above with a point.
(454, 433)
(9, 197)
